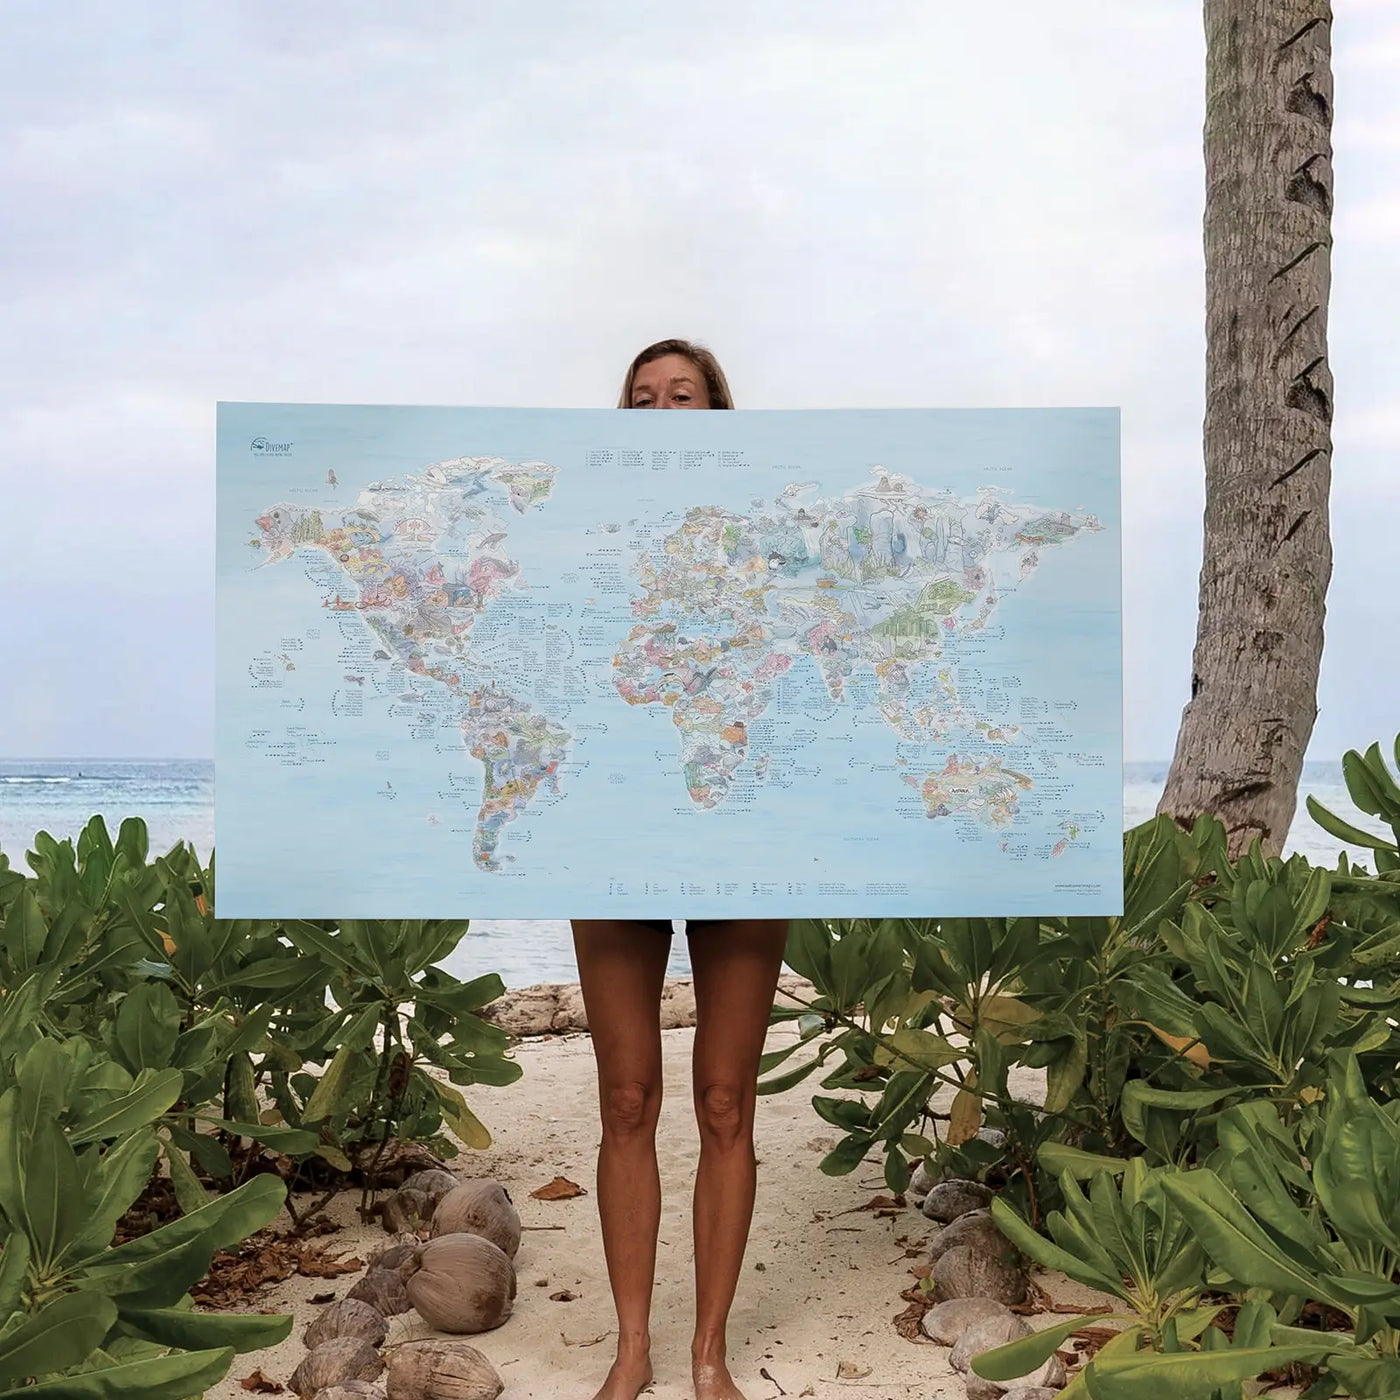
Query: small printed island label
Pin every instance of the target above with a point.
(588, 663)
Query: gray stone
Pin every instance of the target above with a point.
(976, 1228)
(993, 1137)
(1053, 1372)
(922, 1182)
(955, 1197)
(985, 1334)
(946, 1322)
(965, 1272)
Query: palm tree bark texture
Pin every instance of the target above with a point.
(1268, 438)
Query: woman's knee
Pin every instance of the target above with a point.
(724, 1111)
(631, 1107)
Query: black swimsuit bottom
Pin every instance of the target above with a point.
(663, 926)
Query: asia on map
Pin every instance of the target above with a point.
(591, 663)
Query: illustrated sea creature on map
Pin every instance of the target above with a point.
(391, 549)
(883, 579)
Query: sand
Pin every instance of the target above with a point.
(821, 1280)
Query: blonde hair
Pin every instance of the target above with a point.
(716, 385)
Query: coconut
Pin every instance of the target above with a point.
(463, 1283)
(351, 1390)
(441, 1371)
(350, 1317)
(479, 1207)
(333, 1363)
(407, 1211)
(434, 1184)
(390, 1256)
(383, 1290)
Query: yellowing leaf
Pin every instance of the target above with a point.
(921, 1048)
(965, 1117)
(1189, 1048)
(467, 1126)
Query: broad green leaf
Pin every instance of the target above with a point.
(203, 1149)
(132, 841)
(1334, 825)
(20, 1010)
(153, 1093)
(176, 1377)
(224, 1221)
(1021, 1357)
(1371, 1376)
(1236, 1242)
(847, 1155)
(188, 1189)
(25, 931)
(336, 950)
(14, 1272)
(147, 1025)
(1048, 1254)
(121, 1174)
(1362, 785)
(1385, 784)
(326, 1097)
(809, 951)
(197, 1331)
(1138, 1095)
(60, 1334)
(780, 1083)
(39, 1181)
(1191, 1375)
(1057, 1157)
(295, 1142)
(241, 1089)
(334, 1156)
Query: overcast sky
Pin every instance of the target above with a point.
(885, 203)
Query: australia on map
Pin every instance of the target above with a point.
(591, 663)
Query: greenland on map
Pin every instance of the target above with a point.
(592, 663)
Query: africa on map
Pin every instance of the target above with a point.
(504, 663)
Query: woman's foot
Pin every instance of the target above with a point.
(711, 1377)
(629, 1376)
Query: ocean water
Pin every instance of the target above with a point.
(176, 798)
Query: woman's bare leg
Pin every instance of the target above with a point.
(621, 968)
(736, 966)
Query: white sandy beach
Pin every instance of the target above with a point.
(821, 1281)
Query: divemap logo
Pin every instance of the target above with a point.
(265, 447)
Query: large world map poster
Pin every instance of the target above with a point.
(591, 663)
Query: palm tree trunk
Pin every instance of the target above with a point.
(1268, 443)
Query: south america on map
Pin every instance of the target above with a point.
(503, 663)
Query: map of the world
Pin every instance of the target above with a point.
(509, 663)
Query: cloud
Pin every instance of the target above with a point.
(884, 204)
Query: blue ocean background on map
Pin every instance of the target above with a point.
(390, 816)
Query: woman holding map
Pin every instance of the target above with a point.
(622, 964)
